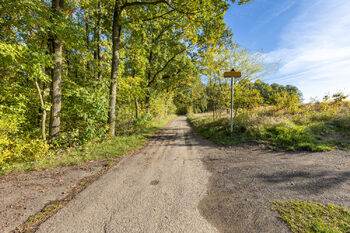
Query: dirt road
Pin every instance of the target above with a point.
(155, 190)
(183, 183)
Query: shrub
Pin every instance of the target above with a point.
(293, 137)
(13, 148)
(144, 120)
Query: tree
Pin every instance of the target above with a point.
(56, 86)
(246, 96)
(265, 90)
(250, 64)
(119, 7)
(204, 21)
(66, 60)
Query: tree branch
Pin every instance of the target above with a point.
(164, 67)
(158, 16)
(43, 120)
(128, 4)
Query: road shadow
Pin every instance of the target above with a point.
(246, 178)
(313, 182)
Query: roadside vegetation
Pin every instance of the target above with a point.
(106, 148)
(283, 124)
(92, 80)
(313, 217)
(88, 76)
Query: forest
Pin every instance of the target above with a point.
(77, 73)
(73, 72)
(85, 83)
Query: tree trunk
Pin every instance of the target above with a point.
(56, 91)
(115, 67)
(137, 108)
(149, 79)
(99, 32)
(87, 38)
(43, 118)
(213, 111)
(148, 101)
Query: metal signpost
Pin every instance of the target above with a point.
(232, 74)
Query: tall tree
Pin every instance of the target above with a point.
(98, 40)
(56, 86)
(119, 7)
(204, 21)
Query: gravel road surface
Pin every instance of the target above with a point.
(182, 183)
(155, 190)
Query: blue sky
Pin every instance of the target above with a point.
(310, 39)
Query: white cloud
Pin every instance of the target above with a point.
(314, 49)
(274, 13)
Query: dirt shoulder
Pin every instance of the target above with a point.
(155, 190)
(179, 182)
(246, 178)
(25, 194)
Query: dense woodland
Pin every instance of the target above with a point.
(73, 71)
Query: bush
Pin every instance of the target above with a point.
(13, 148)
(293, 137)
(144, 121)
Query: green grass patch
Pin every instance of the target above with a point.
(43, 214)
(307, 131)
(310, 217)
(108, 149)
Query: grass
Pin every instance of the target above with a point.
(309, 217)
(43, 214)
(307, 130)
(109, 149)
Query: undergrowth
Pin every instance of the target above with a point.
(311, 128)
(95, 150)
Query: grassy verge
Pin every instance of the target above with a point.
(108, 149)
(303, 131)
(309, 217)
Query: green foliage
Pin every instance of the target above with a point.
(162, 50)
(36, 155)
(246, 96)
(287, 101)
(312, 217)
(311, 129)
(281, 96)
(339, 97)
(293, 137)
(85, 113)
(162, 105)
(144, 120)
(14, 149)
(191, 98)
(26, 58)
